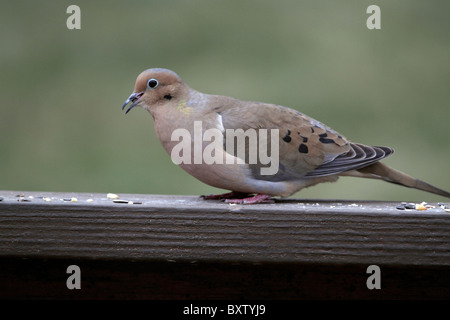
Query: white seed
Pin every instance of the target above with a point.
(112, 196)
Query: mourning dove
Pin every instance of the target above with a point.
(307, 151)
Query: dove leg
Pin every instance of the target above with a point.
(259, 198)
(228, 195)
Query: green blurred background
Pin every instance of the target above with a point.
(61, 124)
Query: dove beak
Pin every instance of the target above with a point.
(134, 98)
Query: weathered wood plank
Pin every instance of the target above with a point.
(119, 279)
(188, 229)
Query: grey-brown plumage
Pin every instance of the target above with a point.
(309, 151)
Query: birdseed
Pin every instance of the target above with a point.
(126, 201)
(410, 206)
(120, 201)
(420, 207)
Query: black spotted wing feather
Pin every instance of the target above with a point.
(307, 148)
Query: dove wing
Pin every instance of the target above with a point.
(307, 147)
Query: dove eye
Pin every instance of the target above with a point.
(152, 83)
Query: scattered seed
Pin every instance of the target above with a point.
(420, 207)
(447, 210)
(120, 201)
(20, 195)
(112, 196)
(401, 207)
(23, 200)
(126, 201)
(90, 200)
(74, 199)
(410, 206)
(66, 199)
(442, 205)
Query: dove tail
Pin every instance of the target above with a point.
(379, 170)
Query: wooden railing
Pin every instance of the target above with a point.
(177, 247)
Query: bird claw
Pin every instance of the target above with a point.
(235, 197)
(259, 198)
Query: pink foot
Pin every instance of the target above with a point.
(259, 198)
(229, 195)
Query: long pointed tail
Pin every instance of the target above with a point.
(379, 170)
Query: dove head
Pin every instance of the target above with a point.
(155, 87)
